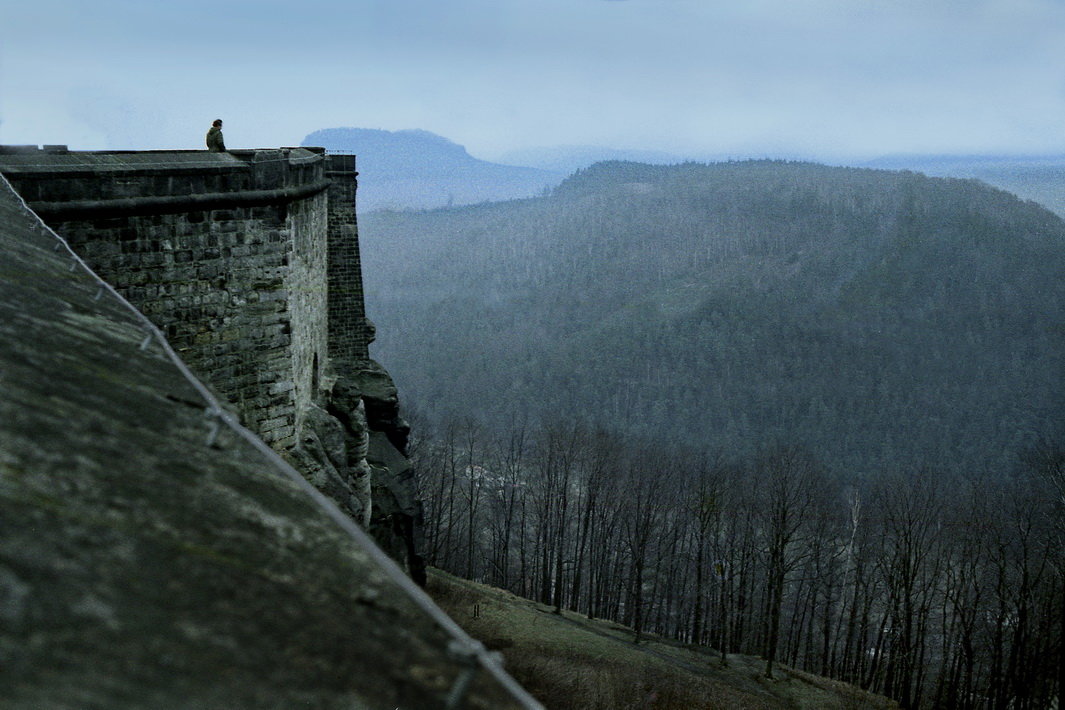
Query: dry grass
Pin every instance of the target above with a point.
(572, 663)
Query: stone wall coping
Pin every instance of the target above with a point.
(20, 160)
(244, 177)
(168, 204)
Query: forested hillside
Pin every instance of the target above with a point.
(1039, 178)
(880, 320)
(811, 414)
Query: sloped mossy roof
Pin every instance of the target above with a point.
(143, 565)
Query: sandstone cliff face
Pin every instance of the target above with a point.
(353, 447)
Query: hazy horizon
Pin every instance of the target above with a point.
(830, 80)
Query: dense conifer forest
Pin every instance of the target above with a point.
(877, 318)
(808, 413)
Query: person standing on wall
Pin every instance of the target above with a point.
(215, 144)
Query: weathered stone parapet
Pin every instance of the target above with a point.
(170, 204)
(50, 179)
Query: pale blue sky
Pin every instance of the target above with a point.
(819, 78)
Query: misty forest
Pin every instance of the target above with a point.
(806, 413)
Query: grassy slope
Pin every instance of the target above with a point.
(569, 661)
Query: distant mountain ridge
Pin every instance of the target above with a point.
(570, 158)
(416, 169)
(1040, 178)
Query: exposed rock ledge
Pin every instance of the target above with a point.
(354, 449)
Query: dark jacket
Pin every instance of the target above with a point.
(215, 144)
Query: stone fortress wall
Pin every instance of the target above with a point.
(225, 252)
(249, 263)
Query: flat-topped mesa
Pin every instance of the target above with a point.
(248, 261)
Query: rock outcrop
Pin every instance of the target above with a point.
(354, 449)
